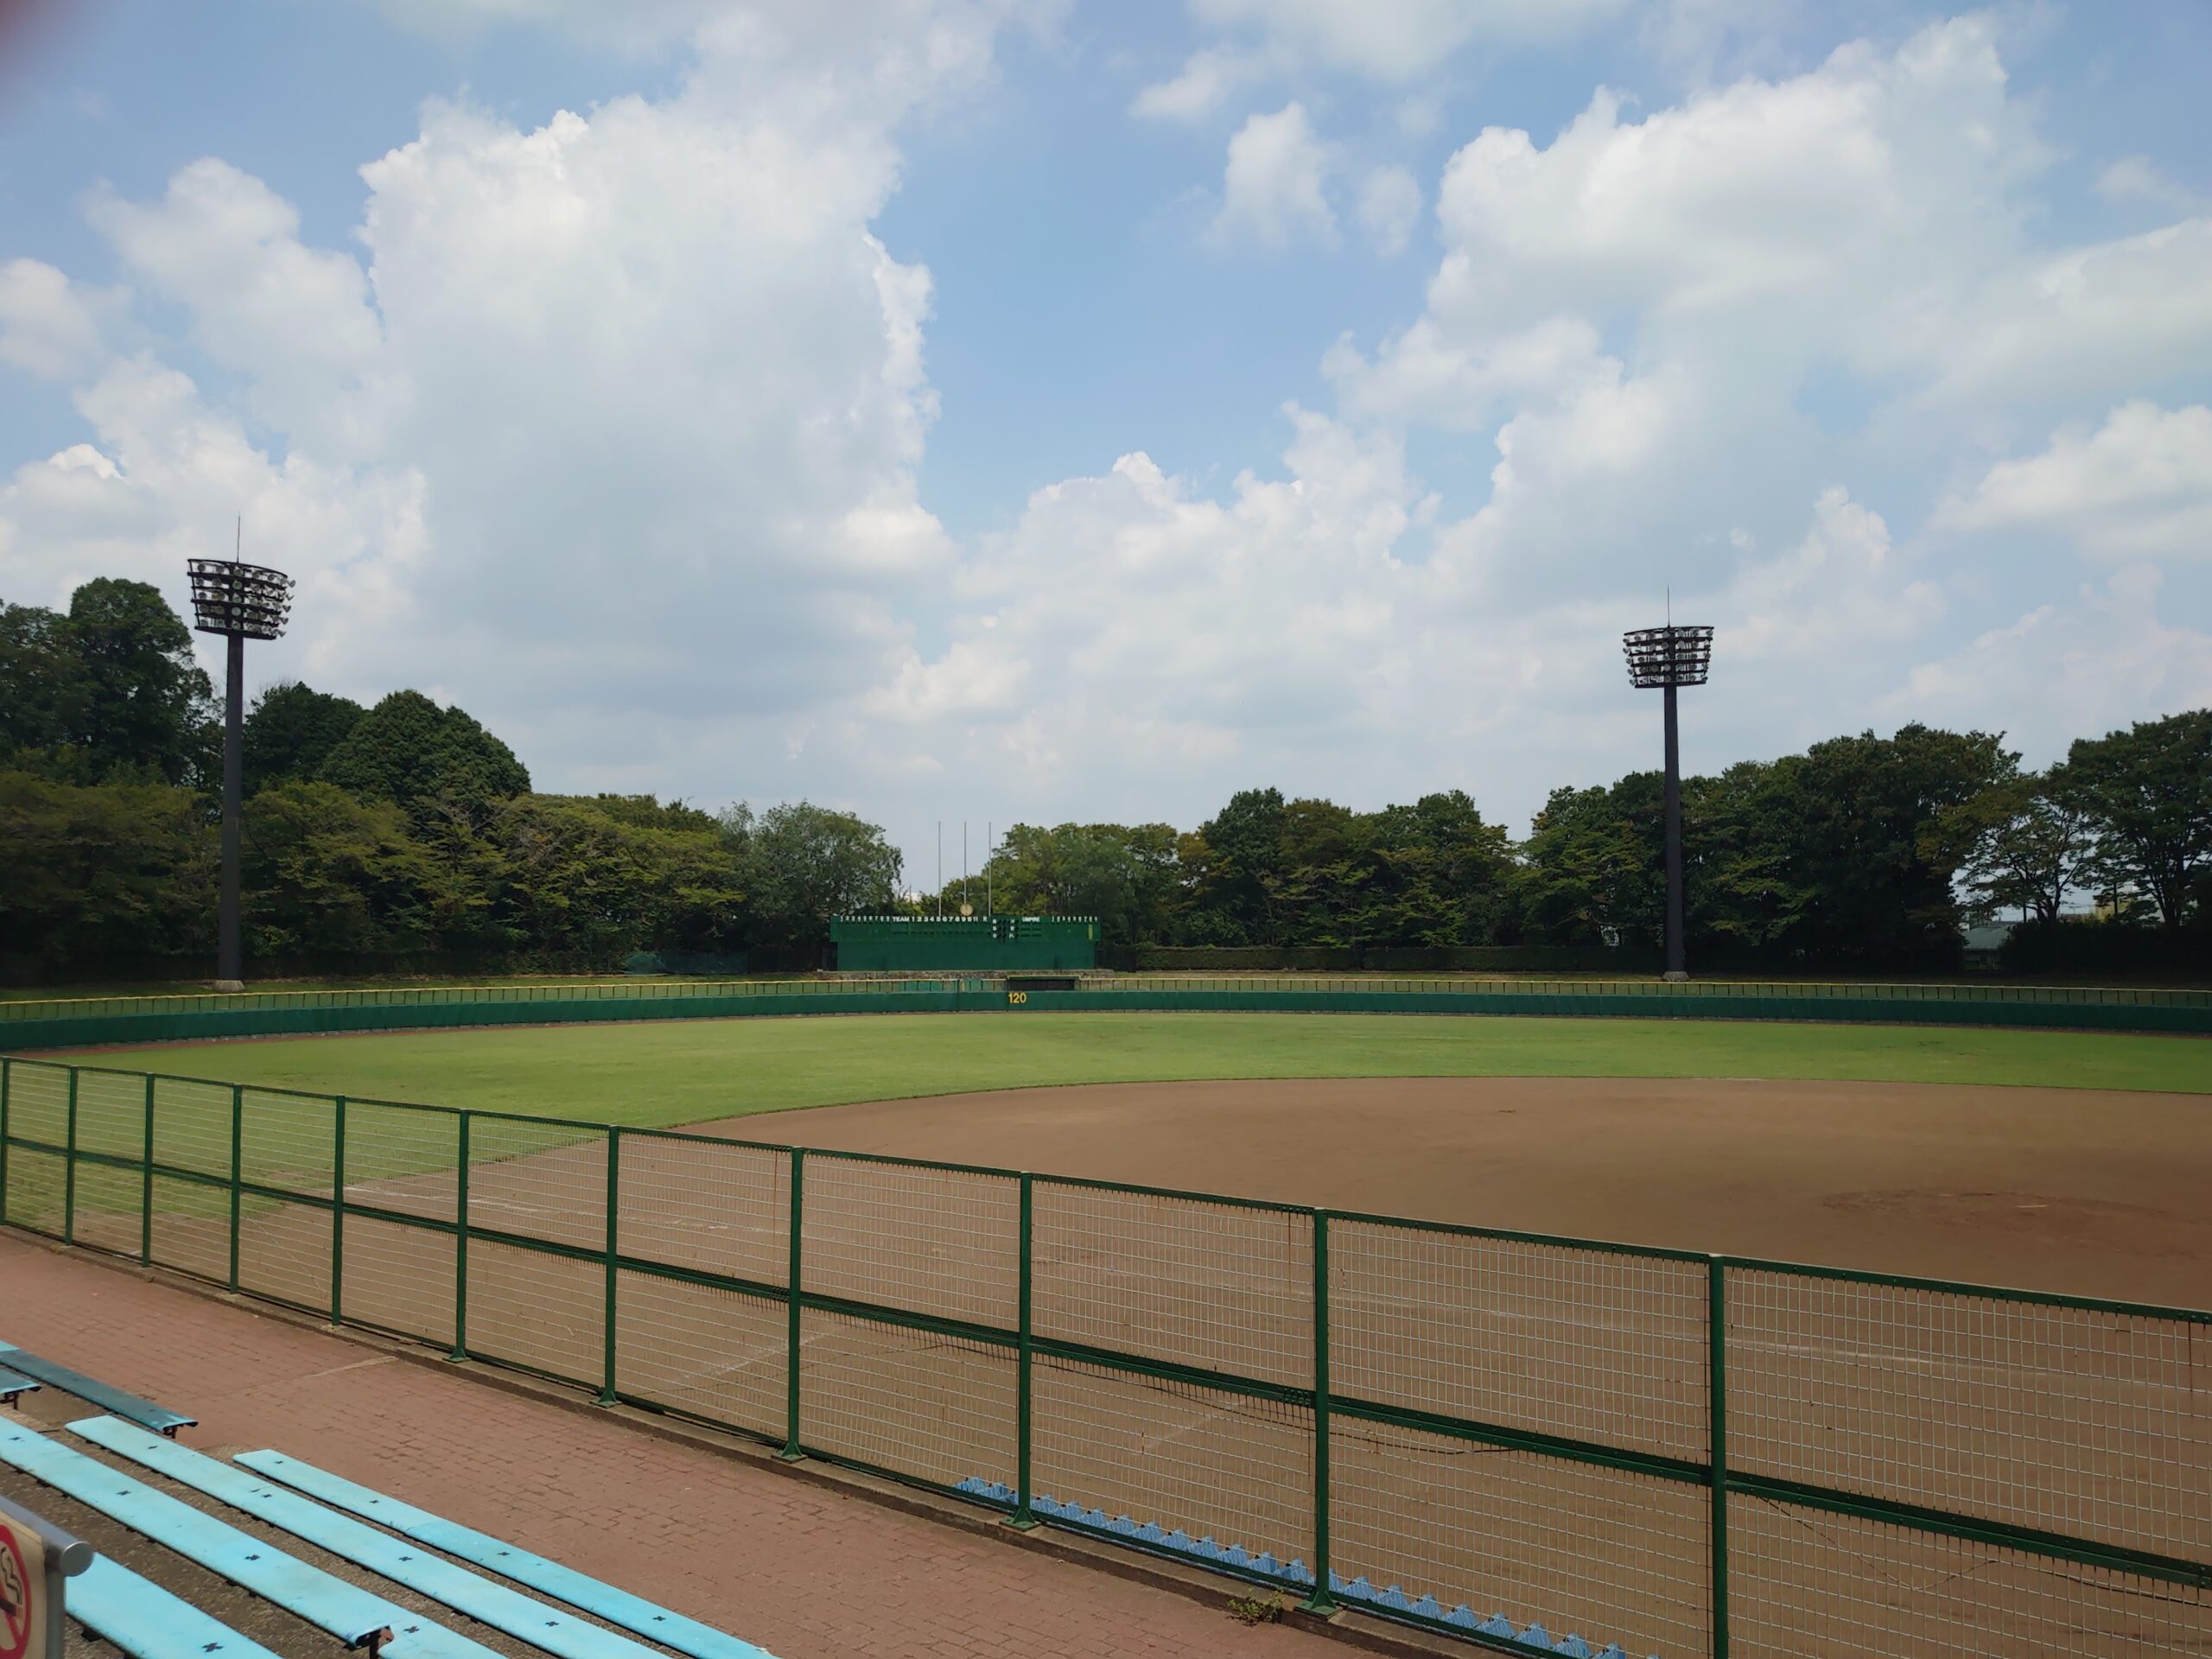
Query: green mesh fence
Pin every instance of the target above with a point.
(1538, 1444)
(83, 1022)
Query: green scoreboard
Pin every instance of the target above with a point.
(902, 944)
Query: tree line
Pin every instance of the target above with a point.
(402, 834)
(405, 834)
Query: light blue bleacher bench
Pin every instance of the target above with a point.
(346, 1611)
(686, 1635)
(113, 1401)
(145, 1621)
(561, 1634)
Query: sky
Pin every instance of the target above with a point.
(1046, 410)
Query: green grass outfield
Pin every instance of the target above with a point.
(668, 1073)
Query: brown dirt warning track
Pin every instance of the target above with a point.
(2080, 1192)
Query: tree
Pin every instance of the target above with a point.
(2147, 793)
(1128, 878)
(116, 870)
(291, 731)
(1240, 871)
(408, 751)
(2027, 847)
(1432, 873)
(326, 873)
(1591, 871)
(1858, 822)
(592, 879)
(799, 864)
(44, 692)
(149, 707)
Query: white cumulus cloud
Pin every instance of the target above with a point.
(48, 326)
(1274, 188)
(2139, 486)
(1203, 85)
(1395, 39)
(1389, 208)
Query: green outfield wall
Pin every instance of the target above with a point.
(99, 1021)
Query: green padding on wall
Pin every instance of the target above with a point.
(1915, 1005)
(1873, 1010)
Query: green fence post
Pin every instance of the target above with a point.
(69, 1168)
(460, 1250)
(146, 1184)
(7, 1076)
(337, 1207)
(1322, 1601)
(613, 1247)
(1023, 1519)
(238, 1172)
(1716, 1384)
(792, 1452)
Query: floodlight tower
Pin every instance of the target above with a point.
(1676, 655)
(240, 602)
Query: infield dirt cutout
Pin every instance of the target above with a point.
(2083, 1192)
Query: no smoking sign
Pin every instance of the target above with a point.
(34, 1560)
(22, 1593)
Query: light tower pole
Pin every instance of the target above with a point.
(240, 602)
(1668, 659)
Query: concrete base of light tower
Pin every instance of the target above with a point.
(1676, 977)
(230, 984)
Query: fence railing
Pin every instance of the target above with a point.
(90, 1022)
(426, 996)
(1656, 990)
(1538, 1444)
(659, 991)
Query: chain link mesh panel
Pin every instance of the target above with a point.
(707, 1206)
(547, 1311)
(941, 1242)
(540, 1180)
(403, 1158)
(398, 1278)
(111, 1114)
(284, 1251)
(192, 1228)
(1584, 1344)
(1208, 1462)
(1803, 1581)
(192, 1126)
(111, 1203)
(1218, 1286)
(1607, 1554)
(2092, 1424)
(930, 1406)
(38, 1103)
(289, 1140)
(35, 1196)
(715, 1353)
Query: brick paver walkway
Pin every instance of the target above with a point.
(805, 1571)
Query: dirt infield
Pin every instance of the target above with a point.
(2085, 1192)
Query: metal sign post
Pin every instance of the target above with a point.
(36, 1559)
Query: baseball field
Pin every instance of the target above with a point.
(1473, 1313)
(2054, 1161)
